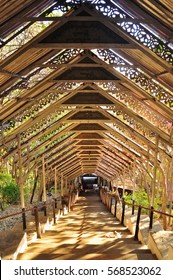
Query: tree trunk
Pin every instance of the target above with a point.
(34, 188)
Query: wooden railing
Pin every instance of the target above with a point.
(111, 200)
(35, 211)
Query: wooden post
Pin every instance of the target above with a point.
(123, 211)
(44, 184)
(66, 183)
(21, 182)
(137, 223)
(37, 222)
(56, 187)
(148, 160)
(151, 217)
(34, 187)
(154, 173)
(115, 209)
(134, 186)
(54, 214)
(134, 180)
(171, 191)
(123, 183)
(62, 184)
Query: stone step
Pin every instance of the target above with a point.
(89, 232)
(91, 256)
(63, 249)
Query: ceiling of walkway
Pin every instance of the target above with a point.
(86, 85)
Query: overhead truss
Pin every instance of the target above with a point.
(85, 84)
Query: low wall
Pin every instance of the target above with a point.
(170, 252)
(16, 240)
(160, 242)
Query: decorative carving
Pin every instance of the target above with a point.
(137, 31)
(148, 39)
(107, 8)
(148, 84)
(43, 124)
(109, 56)
(139, 78)
(65, 56)
(38, 74)
(135, 125)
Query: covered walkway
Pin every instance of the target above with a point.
(86, 91)
(88, 232)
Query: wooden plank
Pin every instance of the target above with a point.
(85, 46)
(64, 19)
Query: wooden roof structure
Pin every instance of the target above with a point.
(86, 85)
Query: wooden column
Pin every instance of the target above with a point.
(134, 180)
(123, 183)
(62, 184)
(66, 184)
(22, 198)
(44, 183)
(56, 187)
(56, 183)
(154, 173)
(148, 160)
(171, 192)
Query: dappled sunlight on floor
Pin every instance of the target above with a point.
(88, 232)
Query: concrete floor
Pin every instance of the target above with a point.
(88, 232)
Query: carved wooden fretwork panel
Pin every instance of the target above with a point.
(149, 85)
(138, 77)
(37, 74)
(64, 56)
(138, 32)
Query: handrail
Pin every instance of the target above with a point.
(106, 198)
(146, 208)
(24, 211)
(71, 200)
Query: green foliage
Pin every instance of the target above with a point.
(9, 191)
(28, 186)
(141, 198)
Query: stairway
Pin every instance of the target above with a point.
(89, 232)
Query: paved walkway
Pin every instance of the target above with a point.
(89, 232)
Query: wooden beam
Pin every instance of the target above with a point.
(65, 19)
(59, 46)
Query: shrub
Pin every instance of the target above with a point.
(141, 198)
(9, 191)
